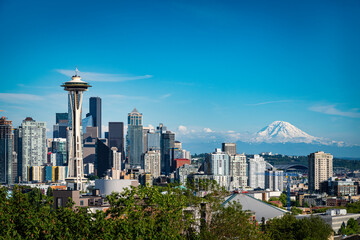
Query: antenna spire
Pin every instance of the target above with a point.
(76, 71)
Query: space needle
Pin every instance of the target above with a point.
(75, 174)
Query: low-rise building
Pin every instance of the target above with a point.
(256, 206)
(334, 217)
(336, 202)
(183, 172)
(107, 186)
(339, 187)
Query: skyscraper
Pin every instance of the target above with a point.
(238, 169)
(62, 117)
(61, 125)
(217, 164)
(229, 148)
(153, 140)
(32, 150)
(274, 180)
(116, 137)
(89, 144)
(75, 174)
(116, 163)
(146, 131)
(87, 122)
(103, 158)
(151, 163)
(320, 169)
(58, 146)
(256, 172)
(167, 143)
(135, 138)
(6, 152)
(95, 112)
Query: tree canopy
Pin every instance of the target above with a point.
(144, 213)
(290, 228)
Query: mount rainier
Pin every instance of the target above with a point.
(284, 132)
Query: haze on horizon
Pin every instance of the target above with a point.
(196, 66)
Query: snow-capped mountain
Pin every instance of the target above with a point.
(280, 137)
(282, 132)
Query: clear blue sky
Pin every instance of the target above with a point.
(223, 65)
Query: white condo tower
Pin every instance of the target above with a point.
(75, 174)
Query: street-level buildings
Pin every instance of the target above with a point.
(339, 187)
(183, 172)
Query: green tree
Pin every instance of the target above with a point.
(288, 227)
(49, 192)
(296, 211)
(352, 227)
(232, 223)
(283, 199)
(353, 207)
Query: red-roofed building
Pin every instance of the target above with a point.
(178, 162)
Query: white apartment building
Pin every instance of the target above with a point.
(33, 145)
(238, 169)
(256, 172)
(217, 165)
(151, 163)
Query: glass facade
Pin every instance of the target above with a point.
(116, 137)
(87, 122)
(153, 140)
(135, 138)
(95, 112)
(59, 147)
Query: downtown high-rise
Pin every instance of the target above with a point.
(256, 172)
(320, 169)
(116, 137)
(61, 125)
(151, 163)
(217, 165)
(95, 112)
(229, 148)
(238, 169)
(32, 149)
(167, 144)
(135, 138)
(6, 152)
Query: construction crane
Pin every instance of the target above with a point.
(288, 186)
